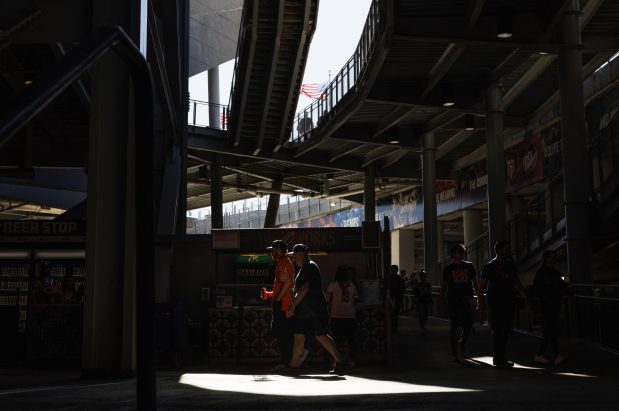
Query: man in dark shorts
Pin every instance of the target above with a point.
(309, 308)
(459, 279)
(500, 280)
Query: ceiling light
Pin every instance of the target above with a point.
(504, 22)
(332, 204)
(469, 122)
(394, 140)
(447, 95)
(542, 53)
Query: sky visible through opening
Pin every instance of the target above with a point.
(337, 34)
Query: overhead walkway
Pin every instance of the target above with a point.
(272, 51)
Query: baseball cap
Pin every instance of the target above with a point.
(278, 244)
(300, 248)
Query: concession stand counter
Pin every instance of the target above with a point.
(239, 321)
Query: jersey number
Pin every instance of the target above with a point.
(345, 295)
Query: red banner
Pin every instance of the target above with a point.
(524, 163)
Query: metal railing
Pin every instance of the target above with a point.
(205, 114)
(308, 120)
(477, 251)
(540, 219)
(239, 43)
(584, 316)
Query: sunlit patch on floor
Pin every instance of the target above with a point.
(307, 385)
(572, 374)
(488, 360)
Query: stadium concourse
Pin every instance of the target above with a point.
(423, 377)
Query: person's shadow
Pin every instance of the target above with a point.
(320, 377)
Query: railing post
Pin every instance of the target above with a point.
(194, 113)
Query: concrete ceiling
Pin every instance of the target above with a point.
(213, 33)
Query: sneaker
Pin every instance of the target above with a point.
(303, 356)
(338, 369)
(560, 358)
(278, 368)
(540, 359)
(462, 354)
(504, 364)
(290, 372)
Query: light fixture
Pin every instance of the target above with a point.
(332, 204)
(504, 22)
(394, 140)
(469, 122)
(447, 95)
(542, 53)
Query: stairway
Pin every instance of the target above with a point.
(274, 42)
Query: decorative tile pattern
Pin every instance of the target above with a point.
(54, 332)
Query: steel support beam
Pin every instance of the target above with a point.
(369, 193)
(495, 160)
(273, 205)
(217, 214)
(430, 220)
(574, 148)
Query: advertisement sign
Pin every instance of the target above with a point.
(407, 208)
(447, 196)
(319, 239)
(56, 230)
(524, 163)
(474, 184)
(551, 149)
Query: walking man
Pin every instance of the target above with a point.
(459, 280)
(309, 308)
(500, 280)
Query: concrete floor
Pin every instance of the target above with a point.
(423, 378)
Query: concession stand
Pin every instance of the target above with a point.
(239, 321)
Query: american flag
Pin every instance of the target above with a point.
(314, 90)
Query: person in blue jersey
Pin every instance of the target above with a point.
(459, 284)
(499, 278)
(550, 288)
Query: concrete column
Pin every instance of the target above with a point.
(369, 193)
(515, 205)
(495, 160)
(440, 239)
(430, 223)
(573, 134)
(473, 224)
(213, 97)
(403, 249)
(273, 205)
(108, 338)
(217, 210)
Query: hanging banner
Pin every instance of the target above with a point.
(551, 147)
(407, 208)
(474, 184)
(447, 196)
(524, 164)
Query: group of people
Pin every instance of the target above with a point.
(301, 311)
(500, 282)
(422, 292)
(48, 290)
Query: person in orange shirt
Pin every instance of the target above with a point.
(281, 325)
